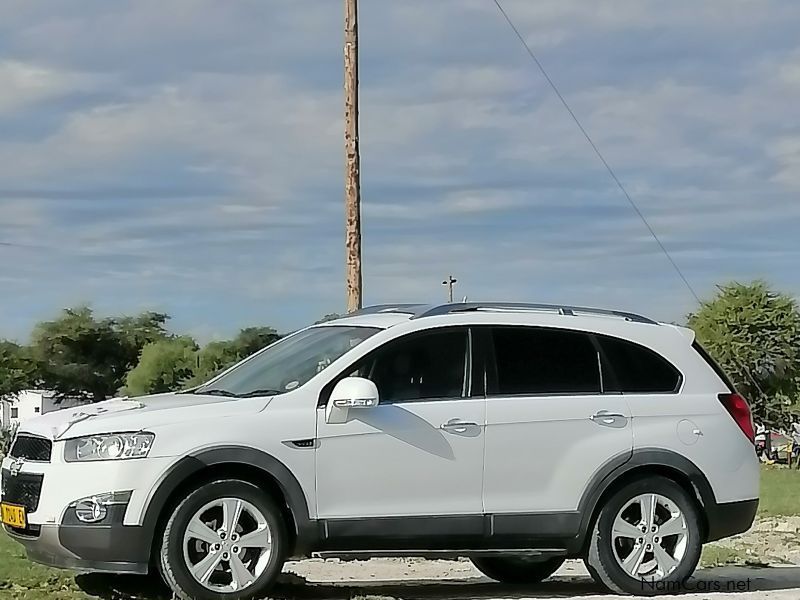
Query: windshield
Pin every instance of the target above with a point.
(289, 363)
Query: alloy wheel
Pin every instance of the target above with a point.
(649, 537)
(227, 545)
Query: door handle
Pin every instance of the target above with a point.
(609, 419)
(457, 426)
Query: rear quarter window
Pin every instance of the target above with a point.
(634, 369)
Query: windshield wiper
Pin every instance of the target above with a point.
(214, 392)
(256, 393)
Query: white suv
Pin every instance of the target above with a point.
(514, 434)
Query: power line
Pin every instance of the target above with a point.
(596, 150)
(611, 172)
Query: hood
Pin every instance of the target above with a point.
(134, 414)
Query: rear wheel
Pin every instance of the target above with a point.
(647, 539)
(225, 541)
(518, 569)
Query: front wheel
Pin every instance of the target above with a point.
(225, 541)
(518, 569)
(647, 539)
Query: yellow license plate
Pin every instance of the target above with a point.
(13, 516)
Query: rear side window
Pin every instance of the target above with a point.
(544, 361)
(637, 369)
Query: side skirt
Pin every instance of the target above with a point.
(451, 534)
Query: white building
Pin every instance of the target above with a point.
(29, 404)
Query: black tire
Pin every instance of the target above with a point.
(601, 560)
(172, 564)
(517, 569)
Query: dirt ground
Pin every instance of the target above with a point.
(771, 540)
(767, 557)
(767, 567)
(422, 579)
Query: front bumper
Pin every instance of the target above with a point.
(55, 537)
(110, 549)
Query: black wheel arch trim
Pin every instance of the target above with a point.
(304, 529)
(619, 466)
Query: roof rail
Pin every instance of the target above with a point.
(406, 308)
(445, 309)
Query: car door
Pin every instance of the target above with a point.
(419, 453)
(549, 427)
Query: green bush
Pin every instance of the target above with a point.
(6, 435)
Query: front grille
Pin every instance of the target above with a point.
(23, 489)
(32, 448)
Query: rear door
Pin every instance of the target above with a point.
(549, 425)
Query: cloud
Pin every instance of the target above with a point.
(786, 154)
(190, 157)
(25, 83)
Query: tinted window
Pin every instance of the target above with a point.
(637, 369)
(430, 365)
(545, 361)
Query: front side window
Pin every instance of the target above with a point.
(289, 363)
(637, 369)
(422, 366)
(529, 360)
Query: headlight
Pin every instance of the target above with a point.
(116, 446)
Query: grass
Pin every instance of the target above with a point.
(719, 556)
(21, 579)
(780, 492)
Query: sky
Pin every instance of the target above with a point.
(187, 156)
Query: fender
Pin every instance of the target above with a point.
(615, 468)
(196, 462)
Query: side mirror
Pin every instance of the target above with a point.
(350, 393)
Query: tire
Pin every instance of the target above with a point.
(215, 555)
(517, 569)
(662, 569)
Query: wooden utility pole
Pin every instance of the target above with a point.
(450, 282)
(353, 159)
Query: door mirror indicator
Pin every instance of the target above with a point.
(355, 393)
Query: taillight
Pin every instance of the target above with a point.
(738, 408)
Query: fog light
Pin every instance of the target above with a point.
(90, 510)
(95, 508)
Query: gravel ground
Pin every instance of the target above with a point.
(771, 541)
(423, 579)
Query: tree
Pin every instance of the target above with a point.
(252, 339)
(172, 363)
(754, 334)
(217, 356)
(142, 329)
(80, 356)
(214, 358)
(16, 372)
(164, 366)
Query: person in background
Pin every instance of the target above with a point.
(794, 433)
(761, 441)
